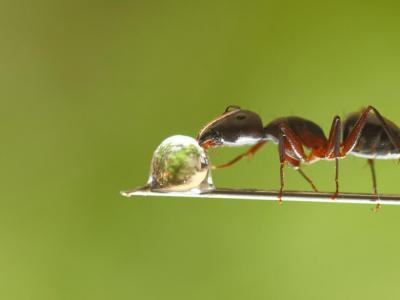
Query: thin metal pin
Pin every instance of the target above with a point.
(254, 194)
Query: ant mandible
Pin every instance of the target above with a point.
(365, 134)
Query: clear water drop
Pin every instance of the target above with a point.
(179, 164)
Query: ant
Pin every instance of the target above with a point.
(365, 134)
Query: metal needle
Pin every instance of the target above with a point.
(254, 194)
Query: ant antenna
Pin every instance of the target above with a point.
(231, 107)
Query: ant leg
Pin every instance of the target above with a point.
(294, 141)
(296, 165)
(372, 167)
(333, 149)
(249, 153)
(355, 133)
(297, 148)
(353, 137)
(308, 179)
(281, 147)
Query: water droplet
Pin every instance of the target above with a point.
(179, 164)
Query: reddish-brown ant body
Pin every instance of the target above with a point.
(366, 134)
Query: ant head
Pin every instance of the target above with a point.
(234, 127)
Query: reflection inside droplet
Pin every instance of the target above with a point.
(179, 164)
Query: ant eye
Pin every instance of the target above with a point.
(231, 107)
(240, 117)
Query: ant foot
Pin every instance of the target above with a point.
(249, 156)
(280, 198)
(334, 196)
(315, 189)
(376, 208)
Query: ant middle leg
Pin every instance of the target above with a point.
(308, 179)
(288, 140)
(333, 149)
(296, 165)
(282, 161)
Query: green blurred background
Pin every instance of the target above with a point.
(90, 88)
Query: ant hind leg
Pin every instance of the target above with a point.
(352, 139)
(333, 149)
(371, 164)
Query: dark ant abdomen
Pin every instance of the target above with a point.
(310, 134)
(373, 143)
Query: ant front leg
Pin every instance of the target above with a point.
(249, 153)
